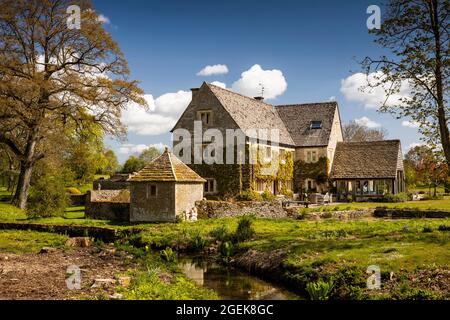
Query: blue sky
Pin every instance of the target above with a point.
(313, 44)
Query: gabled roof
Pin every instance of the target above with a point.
(297, 119)
(249, 113)
(367, 160)
(166, 167)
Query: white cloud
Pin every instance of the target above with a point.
(366, 122)
(162, 115)
(219, 84)
(353, 89)
(130, 148)
(332, 98)
(411, 124)
(103, 19)
(415, 144)
(252, 81)
(213, 70)
(173, 104)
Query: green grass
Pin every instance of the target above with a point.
(161, 280)
(15, 241)
(443, 205)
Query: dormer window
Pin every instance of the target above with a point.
(205, 117)
(317, 124)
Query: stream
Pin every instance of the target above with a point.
(229, 283)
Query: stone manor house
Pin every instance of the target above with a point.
(311, 153)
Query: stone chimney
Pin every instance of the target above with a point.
(259, 98)
(194, 92)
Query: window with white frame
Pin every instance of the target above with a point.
(311, 156)
(210, 186)
(205, 117)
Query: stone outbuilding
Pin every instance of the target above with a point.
(164, 189)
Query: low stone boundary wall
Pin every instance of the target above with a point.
(108, 205)
(408, 213)
(78, 199)
(222, 209)
(349, 214)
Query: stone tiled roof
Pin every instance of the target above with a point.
(249, 113)
(166, 167)
(367, 160)
(297, 119)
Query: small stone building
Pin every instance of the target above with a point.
(164, 189)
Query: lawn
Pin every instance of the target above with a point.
(443, 204)
(15, 241)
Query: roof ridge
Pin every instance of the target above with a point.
(240, 94)
(373, 141)
(304, 104)
(171, 165)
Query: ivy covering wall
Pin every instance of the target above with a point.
(317, 171)
(278, 168)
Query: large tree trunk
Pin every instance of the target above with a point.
(26, 168)
(23, 185)
(441, 112)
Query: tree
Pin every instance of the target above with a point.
(353, 131)
(416, 33)
(149, 154)
(84, 155)
(112, 165)
(429, 169)
(133, 164)
(51, 76)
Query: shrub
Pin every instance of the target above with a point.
(244, 229)
(249, 195)
(443, 227)
(48, 197)
(73, 190)
(267, 195)
(221, 234)
(349, 283)
(226, 250)
(427, 229)
(168, 254)
(302, 213)
(399, 197)
(198, 242)
(319, 290)
(288, 193)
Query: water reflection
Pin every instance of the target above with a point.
(229, 283)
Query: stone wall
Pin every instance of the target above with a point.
(77, 199)
(220, 209)
(105, 184)
(146, 208)
(108, 205)
(405, 213)
(187, 194)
